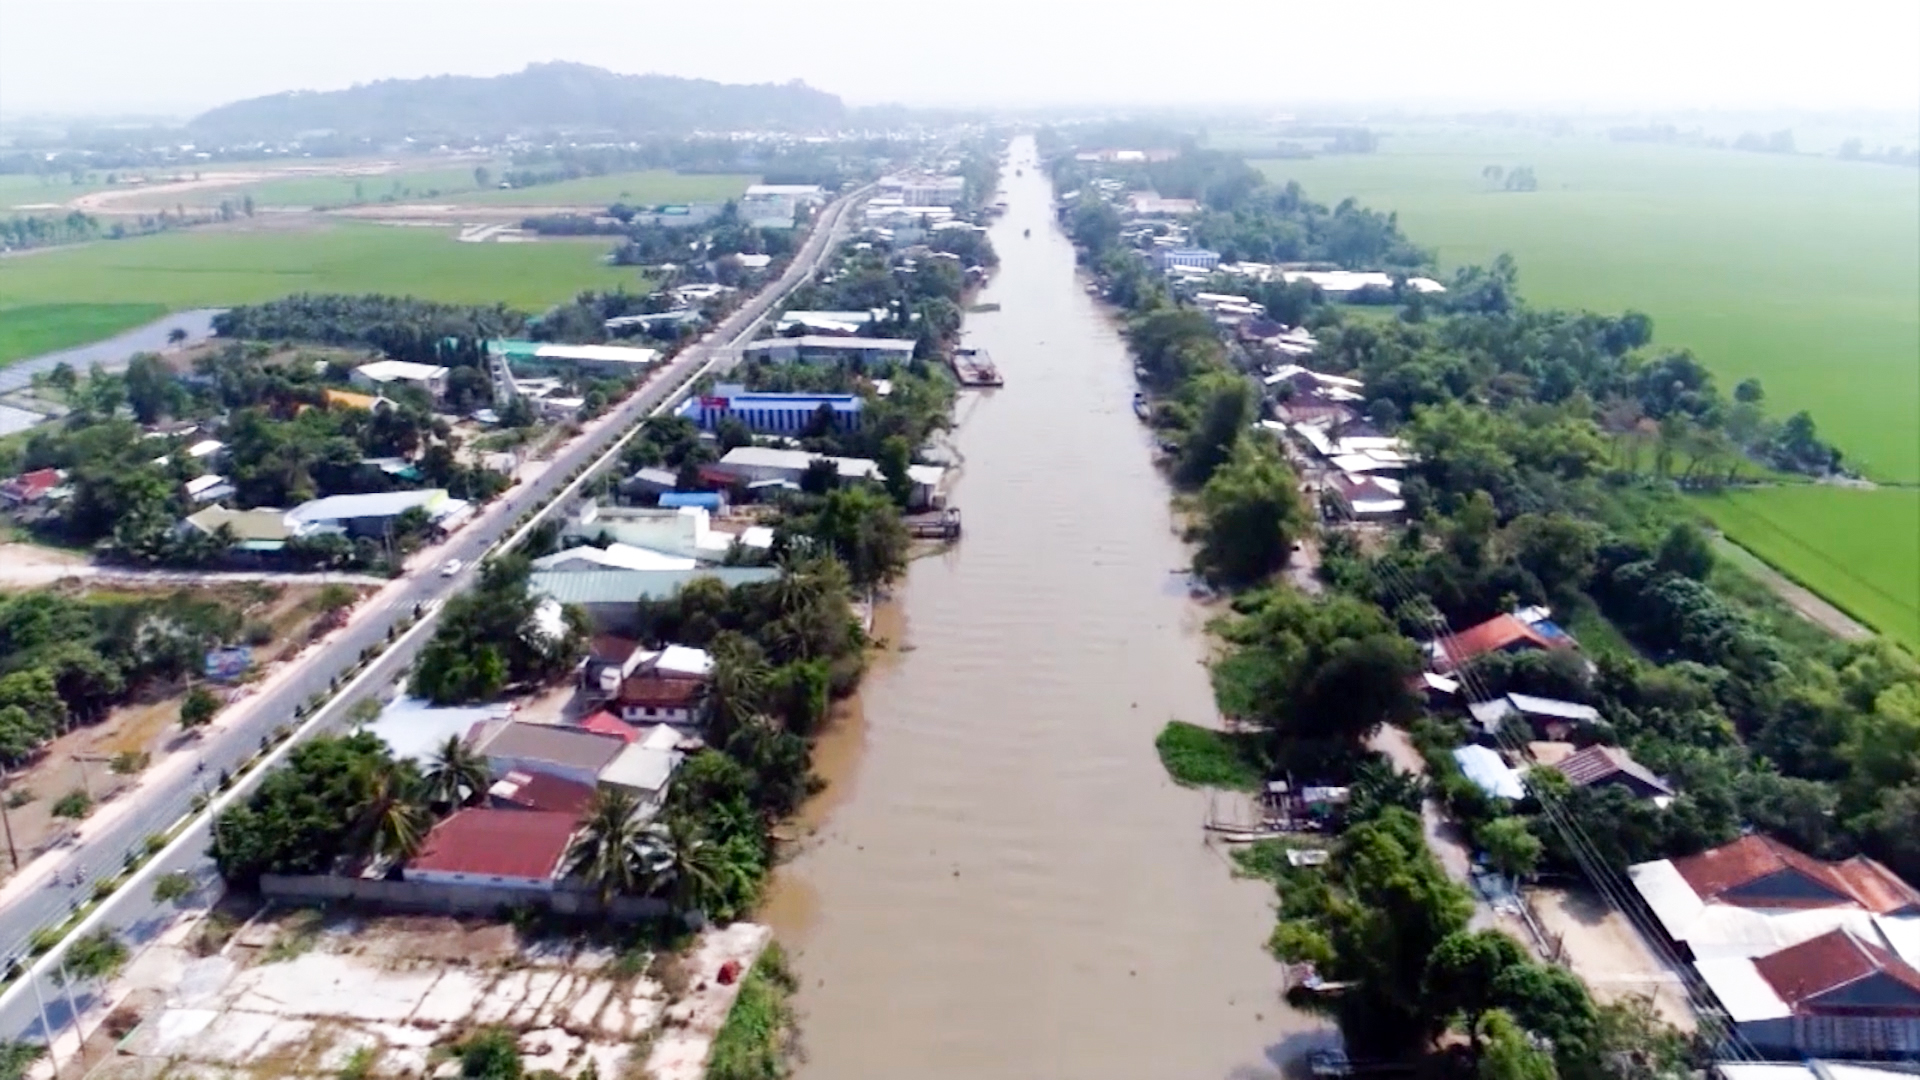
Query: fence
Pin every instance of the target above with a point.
(433, 897)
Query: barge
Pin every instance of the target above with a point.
(973, 367)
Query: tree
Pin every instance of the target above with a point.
(1250, 511)
(1462, 978)
(151, 388)
(1510, 846)
(1558, 549)
(894, 459)
(173, 887)
(864, 531)
(1226, 407)
(391, 818)
(1508, 1053)
(198, 707)
(618, 851)
(95, 956)
(1686, 551)
(456, 774)
(482, 176)
(1749, 392)
(176, 335)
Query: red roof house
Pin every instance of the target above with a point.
(29, 487)
(508, 849)
(1834, 995)
(1758, 871)
(605, 723)
(652, 698)
(1502, 633)
(520, 789)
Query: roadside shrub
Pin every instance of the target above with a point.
(74, 805)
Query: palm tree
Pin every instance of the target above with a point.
(712, 877)
(618, 850)
(391, 818)
(736, 690)
(456, 775)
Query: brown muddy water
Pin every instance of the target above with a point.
(1004, 883)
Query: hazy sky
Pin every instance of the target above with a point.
(179, 56)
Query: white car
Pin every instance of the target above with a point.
(451, 567)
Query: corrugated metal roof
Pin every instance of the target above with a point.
(550, 743)
(526, 844)
(1597, 764)
(628, 586)
(1745, 994)
(1490, 772)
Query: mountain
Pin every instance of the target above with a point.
(555, 97)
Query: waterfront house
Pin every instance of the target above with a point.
(773, 414)
(761, 464)
(685, 531)
(1840, 993)
(655, 697)
(510, 850)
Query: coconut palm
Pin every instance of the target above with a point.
(618, 850)
(716, 878)
(456, 774)
(391, 818)
(736, 690)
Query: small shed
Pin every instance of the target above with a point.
(1490, 772)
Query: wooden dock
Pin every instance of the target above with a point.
(940, 525)
(973, 367)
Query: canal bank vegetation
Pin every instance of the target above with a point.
(1196, 756)
(1524, 490)
(756, 1042)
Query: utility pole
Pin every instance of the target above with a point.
(46, 1025)
(6, 819)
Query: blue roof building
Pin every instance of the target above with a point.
(770, 414)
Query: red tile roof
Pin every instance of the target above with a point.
(1496, 634)
(31, 485)
(659, 692)
(1803, 973)
(525, 790)
(1858, 881)
(497, 843)
(605, 723)
(611, 648)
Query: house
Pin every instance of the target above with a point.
(1489, 772)
(30, 487)
(1602, 766)
(208, 488)
(347, 399)
(609, 596)
(831, 323)
(611, 659)
(380, 374)
(1550, 719)
(1341, 283)
(522, 790)
(1366, 498)
(653, 697)
(773, 414)
(520, 850)
(1756, 896)
(258, 530)
(373, 514)
(1838, 993)
(663, 323)
(755, 464)
(828, 348)
(645, 768)
(1186, 258)
(774, 206)
(1151, 204)
(1502, 633)
(685, 531)
(565, 752)
(924, 189)
(615, 360)
(602, 722)
(613, 557)
(649, 482)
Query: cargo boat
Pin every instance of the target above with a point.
(973, 367)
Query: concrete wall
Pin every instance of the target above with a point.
(451, 899)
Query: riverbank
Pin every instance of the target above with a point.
(1002, 880)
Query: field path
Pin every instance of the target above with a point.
(1807, 603)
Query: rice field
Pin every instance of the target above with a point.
(648, 188)
(55, 299)
(1800, 271)
(1858, 549)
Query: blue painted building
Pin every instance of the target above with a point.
(770, 414)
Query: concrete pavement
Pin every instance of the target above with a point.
(100, 852)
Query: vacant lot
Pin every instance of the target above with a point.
(637, 188)
(1801, 271)
(202, 268)
(33, 329)
(1858, 549)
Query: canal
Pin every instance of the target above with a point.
(1003, 882)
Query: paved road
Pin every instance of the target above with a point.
(167, 795)
(114, 352)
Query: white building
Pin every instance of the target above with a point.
(762, 463)
(381, 373)
(685, 531)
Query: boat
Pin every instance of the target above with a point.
(973, 367)
(1140, 407)
(1027, 233)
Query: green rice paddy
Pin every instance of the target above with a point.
(648, 188)
(1858, 549)
(1801, 271)
(55, 299)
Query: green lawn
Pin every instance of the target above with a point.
(1859, 549)
(637, 188)
(37, 328)
(1799, 270)
(212, 268)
